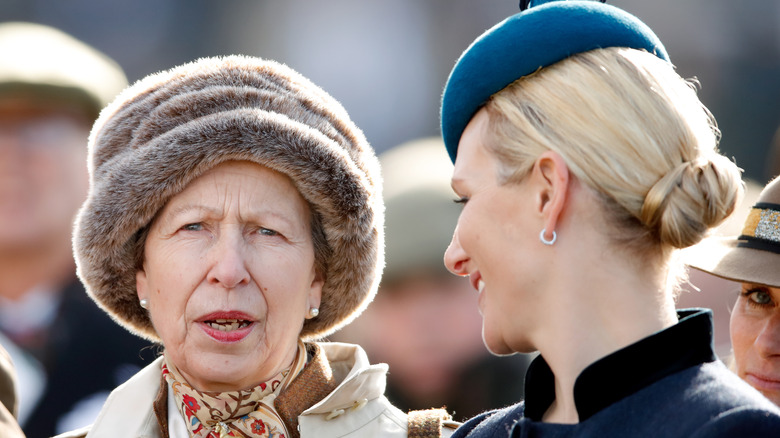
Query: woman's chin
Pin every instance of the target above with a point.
(499, 346)
(496, 346)
(218, 373)
(214, 365)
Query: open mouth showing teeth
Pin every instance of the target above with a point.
(227, 325)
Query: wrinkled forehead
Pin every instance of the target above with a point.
(251, 189)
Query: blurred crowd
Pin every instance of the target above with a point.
(68, 354)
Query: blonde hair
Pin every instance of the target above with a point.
(631, 129)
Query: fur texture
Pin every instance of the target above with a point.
(169, 128)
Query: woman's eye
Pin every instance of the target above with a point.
(462, 200)
(758, 297)
(193, 227)
(267, 232)
(761, 297)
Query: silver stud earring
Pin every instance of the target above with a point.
(313, 312)
(545, 241)
(144, 303)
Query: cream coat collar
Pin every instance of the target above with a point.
(357, 401)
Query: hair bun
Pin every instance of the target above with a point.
(692, 198)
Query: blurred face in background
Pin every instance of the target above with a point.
(43, 172)
(427, 328)
(755, 337)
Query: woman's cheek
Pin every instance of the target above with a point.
(742, 335)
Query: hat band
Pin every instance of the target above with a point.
(762, 228)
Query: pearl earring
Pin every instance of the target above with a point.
(313, 312)
(144, 303)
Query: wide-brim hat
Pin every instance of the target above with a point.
(171, 127)
(546, 32)
(44, 62)
(751, 257)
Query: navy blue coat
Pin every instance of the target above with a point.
(667, 385)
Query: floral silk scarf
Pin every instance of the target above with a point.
(245, 413)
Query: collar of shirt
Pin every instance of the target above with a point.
(626, 371)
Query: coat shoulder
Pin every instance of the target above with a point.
(745, 421)
(492, 423)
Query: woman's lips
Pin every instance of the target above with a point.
(762, 382)
(229, 326)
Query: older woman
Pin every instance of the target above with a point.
(235, 215)
(753, 259)
(583, 162)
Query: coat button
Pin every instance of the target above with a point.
(359, 404)
(334, 413)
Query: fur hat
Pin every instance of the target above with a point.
(170, 127)
(545, 32)
(42, 61)
(753, 256)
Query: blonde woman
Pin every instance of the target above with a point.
(583, 163)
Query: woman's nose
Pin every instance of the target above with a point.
(768, 341)
(229, 262)
(455, 257)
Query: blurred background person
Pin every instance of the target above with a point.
(751, 258)
(68, 354)
(424, 321)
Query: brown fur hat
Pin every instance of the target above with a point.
(170, 127)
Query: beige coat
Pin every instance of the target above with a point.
(128, 412)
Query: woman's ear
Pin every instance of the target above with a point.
(553, 178)
(315, 291)
(141, 285)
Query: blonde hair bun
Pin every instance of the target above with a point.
(694, 197)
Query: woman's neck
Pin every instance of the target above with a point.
(594, 312)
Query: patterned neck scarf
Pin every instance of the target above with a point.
(248, 412)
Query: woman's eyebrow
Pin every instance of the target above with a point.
(186, 208)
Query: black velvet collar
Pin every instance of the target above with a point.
(628, 370)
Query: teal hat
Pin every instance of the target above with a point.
(545, 32)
